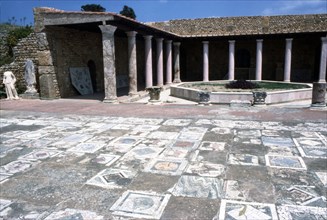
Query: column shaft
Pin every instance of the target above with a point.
(177, 70)
(132, 64)
(159, 62)
(323, 60)
(109, 69)
(258, 69)
(231, 66)
(148, 60)
(288, 58)
(168, 62)
(205, 61)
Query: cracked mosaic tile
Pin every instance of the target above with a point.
(143, 151)
(247, 133)
(34, 135)
(123, 127)
(246, 210)
(40, 154)
(125, 141)
(212, 146)
(296, 195)
(74, 214)
(322, 177)
(243, 159)
(39, 143)
(17, 166)
(203, 122)
(145, 121)
(155, 142)
(294, 212)
(76, 138)
(4, 177)
(237, 124)
(13, 134)
(191, 136)
(163, 135)
(177, 153)
(168, 166)
(305, 134)
(221, 130)
(4, 203)
(306, 142)
(66, 124)
(233, 191)
(146, 127)
(112, 178)
(87, 147)
(138, 204)
(186, 144)
(313, 152)
(194, 130)
(277, 141)
(198, 186)
(177, 122)
(106, 159)
(138, 133)
(280, 150)
(206, 169)
(291, 162)
(243, 140)
(271, 133)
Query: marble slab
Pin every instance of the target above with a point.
(144, 128)
(176, 153)
(277, 141)
(309, 142)
(295, 212)
(125, 141)
(233, 191)
(81, 80)
(4, 177)
(18, 166)
(322, 176)
(206, 169)
(74, 214)
(247, 133)
(238, 210)
(298, 195)
(87, 147)
(143, 151)
(4, 203)
(40, 154)
(123, 127)
(139, 204)
(106, 159)
(163, 135)
(198, 186)
(184, 144)
(177, 122)
(243, 159)
(167, 166)
(219, 130)
(212, 146)
(191, 136)
(112, 178)
(290, 162)
(313, 152)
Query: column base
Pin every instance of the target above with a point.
(177, 81)
(111, 101)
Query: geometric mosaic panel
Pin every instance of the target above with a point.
(290, 162)
(247, 210)
(295, 212)
(167, 166)
(138, 204)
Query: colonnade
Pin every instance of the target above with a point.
(109, 62)
(259, 51)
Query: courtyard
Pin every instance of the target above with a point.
(83, 159)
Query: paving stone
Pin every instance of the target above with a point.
(293, 212)
(291, 162)
(73, 214)
(168, 166)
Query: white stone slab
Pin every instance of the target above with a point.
(81, 80)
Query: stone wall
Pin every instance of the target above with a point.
(25, 49)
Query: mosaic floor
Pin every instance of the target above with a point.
(91, 167)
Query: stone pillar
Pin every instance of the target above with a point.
(109, 69)
(205, 61)
(288, 57)
(159, 62)
(323, 60)
(132, 66)
(231, 66)
(318, 94)
(258, 68)
(177, 69)
(168, 62)
(148, 61)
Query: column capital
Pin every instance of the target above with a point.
(231, 41)
(259, 40)
(168, 41)
(177, 44)
(159, 39)
(107, 30)
(131, 33)
(148, 37)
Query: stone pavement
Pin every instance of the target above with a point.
(66, 159)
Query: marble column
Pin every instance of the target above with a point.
(159, 62)
(177, 70)
(132, 66)
(258, 68)
(168, 62)
(231, 65)
(109, 69)
(288, 58)
(148, 61)
(205, 61)
(323, 60)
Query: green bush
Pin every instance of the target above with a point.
(15, 35)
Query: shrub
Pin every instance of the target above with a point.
(242, 84)
(15, 35)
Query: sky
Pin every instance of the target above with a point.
(164, 10)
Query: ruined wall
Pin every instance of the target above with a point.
(26, 49)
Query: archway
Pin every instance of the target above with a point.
(92, 68)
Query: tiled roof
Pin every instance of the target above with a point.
(255, 25)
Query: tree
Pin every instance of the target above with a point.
(128, 12)
(93, 7)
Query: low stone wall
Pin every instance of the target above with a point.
(227, 97)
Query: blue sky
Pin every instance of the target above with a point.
(163, 10)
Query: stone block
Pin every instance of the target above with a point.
(47, 88)
(46, 70)
(44, 58)
(240, 103)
